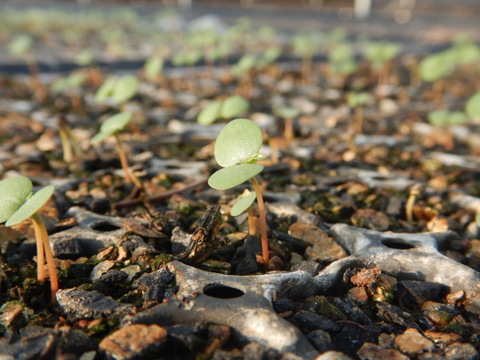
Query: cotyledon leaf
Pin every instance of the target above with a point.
(13, 193)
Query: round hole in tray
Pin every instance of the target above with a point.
(220, 291)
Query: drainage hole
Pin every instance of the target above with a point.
(104, 226)
(220, 291)
(399, 244)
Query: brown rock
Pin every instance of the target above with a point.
(333, 355)
(442, 338)
(371, 219)
(134, 341)
(370, 351)
(411, 342)
(322, 247)
(461, 352)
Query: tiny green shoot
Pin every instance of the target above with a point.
(237, 152)
(117, 90)
(20, 203)
(472, 107)
(232, 106)
(111, 127)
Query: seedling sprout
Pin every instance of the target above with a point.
(232, 106)
(237, 152)
(472, 107)
(112, 126)
(20, 203)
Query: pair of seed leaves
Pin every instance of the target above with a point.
(18, 201)
(237, 151)
(112, 125)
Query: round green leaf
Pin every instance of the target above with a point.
(31, 206)
(243, 203)
(209, 114)
(153, 67)
(233, 106)
(238, 142)
(234, 175)
(472, 108)
(457, 118)
(286, 112)
(20, 44)
(111, 126)
(13, 193)
(438, 117)
(125, 88)
(104, 92)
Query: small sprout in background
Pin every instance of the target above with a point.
(18, 204)
(415, 190)
(380, 55)
(86, 59)
(68, 141)
(268, 59)
(70, 86)
(112, 126)
(466, 50)
(237, 151)
(287, 113)
(447, 118)
(341, 61)
(356, 101)
(232, 106)
(117, 90)
(243, 70)
(304, 46)
(472, 107)
(21, 47)
(434, 68)
(153, 67)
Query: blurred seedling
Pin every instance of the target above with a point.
(116, 91)
(341, 62)
(414, 192)
(356, 101)
(70, 145)
(232, 106)
(304, 46)
(21, 47)
(243, 70)
(152, 70)
(287, 113)
(444, 118)
(19, 203)
(472, 107)
(380, 56)
(112, 127)
(86, 60)
(434, 69)
(237, 152)
(70, 86)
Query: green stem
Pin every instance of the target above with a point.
(263, 221)
(43, 247)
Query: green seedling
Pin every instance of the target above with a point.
(467, 51)
(341, 60)
(287, 113)
(21, 47)
(117, 90)
(232, 106)
(380, 54)
(70, 86)
(472, 107)
(237, 152)
(447, 118)
(304, 46)
(356, 102)
(112, 127)
(434, 68)
(68, 141)
(153, 67)
(18, 204)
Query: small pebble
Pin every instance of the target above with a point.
(411, 342)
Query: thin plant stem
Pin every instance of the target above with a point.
(252, 230)
(288, 131)
(43, 243)
(263, 221)
(66, 146)
(129, 176)
(359, 119)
